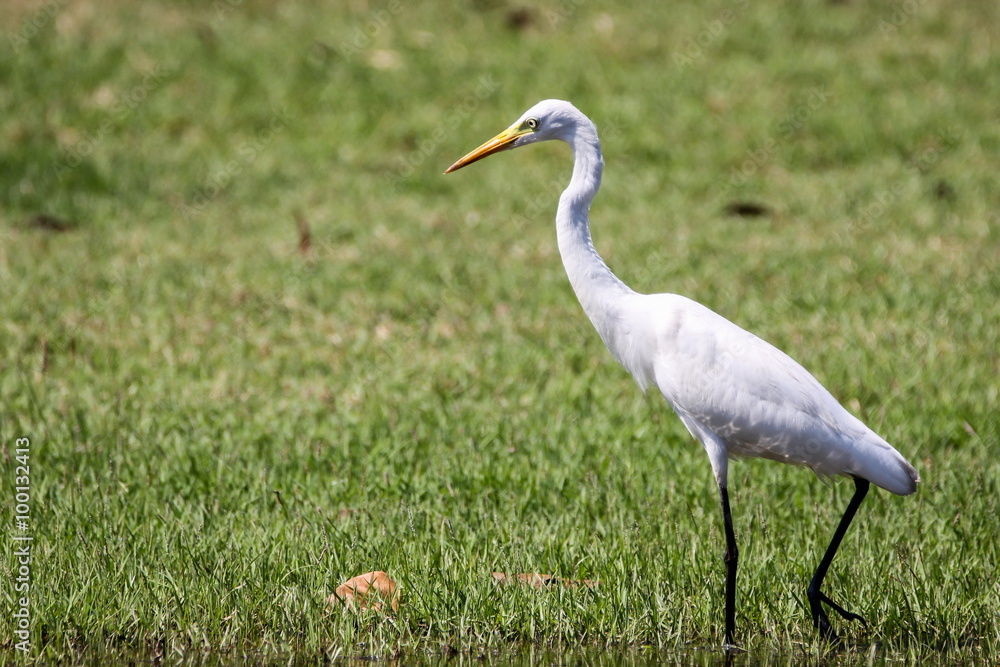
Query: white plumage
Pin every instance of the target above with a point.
(737, 394)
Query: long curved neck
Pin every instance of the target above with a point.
(597, 288)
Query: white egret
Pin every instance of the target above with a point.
(737, 394)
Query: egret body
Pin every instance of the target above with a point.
(737, 394)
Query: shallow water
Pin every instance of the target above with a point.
(686, 657)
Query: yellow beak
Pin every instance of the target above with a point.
(498, 143)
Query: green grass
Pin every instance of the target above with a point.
(224, 428)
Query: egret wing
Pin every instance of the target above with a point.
(758, 401)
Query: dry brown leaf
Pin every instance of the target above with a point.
(536, 580)
(367, 591)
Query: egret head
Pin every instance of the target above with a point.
(549, 119)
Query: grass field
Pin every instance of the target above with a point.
(260, 344)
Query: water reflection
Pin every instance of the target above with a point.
(534, 656)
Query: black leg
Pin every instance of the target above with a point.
(730, 558)
(816, 597)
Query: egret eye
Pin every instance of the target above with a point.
(532, 123)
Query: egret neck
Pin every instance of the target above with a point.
(599, 290)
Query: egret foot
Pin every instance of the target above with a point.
(815, 595)
(822, 622)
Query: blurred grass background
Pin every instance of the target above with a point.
(260, 344)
